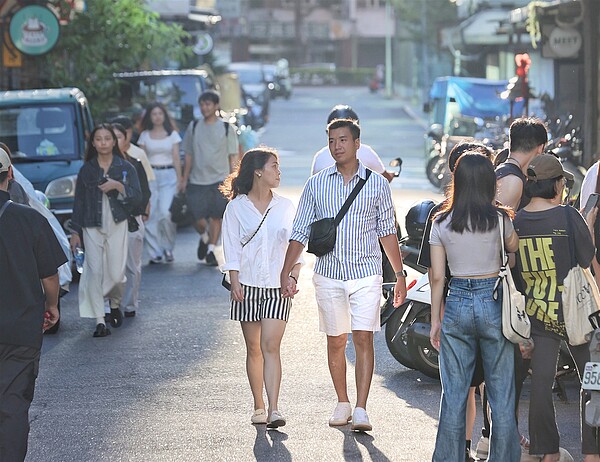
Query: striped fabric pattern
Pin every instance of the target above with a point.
(356, 254)
(261, 303)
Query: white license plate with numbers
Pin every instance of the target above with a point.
(591, 376)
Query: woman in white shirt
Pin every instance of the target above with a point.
(161, 141)
(256, 228)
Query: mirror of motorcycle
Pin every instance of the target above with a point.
(397, 162)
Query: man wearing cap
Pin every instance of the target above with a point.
(29, 258)
(366, 154)
(552, 240)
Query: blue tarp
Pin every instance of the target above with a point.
(475, 97)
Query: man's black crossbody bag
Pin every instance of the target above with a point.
(323, 232)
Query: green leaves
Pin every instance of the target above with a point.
(112, 36)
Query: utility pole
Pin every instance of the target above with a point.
(388, 49)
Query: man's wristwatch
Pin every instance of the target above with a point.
(401, 273)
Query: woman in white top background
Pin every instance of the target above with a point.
(256, 228)
(160, 140)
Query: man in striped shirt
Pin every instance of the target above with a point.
(348, 279)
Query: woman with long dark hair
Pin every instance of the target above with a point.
(466, 234)
(256, 228)
(107, 186)
(160, 140)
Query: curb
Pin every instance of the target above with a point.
(407, 108)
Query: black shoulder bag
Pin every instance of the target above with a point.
(226, 282)
(323, 232)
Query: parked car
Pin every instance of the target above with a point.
(178, 90)
(255, 91)
(46, 131)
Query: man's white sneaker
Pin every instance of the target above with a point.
(341, 415)
(360, 420)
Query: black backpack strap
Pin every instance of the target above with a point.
(351, 198)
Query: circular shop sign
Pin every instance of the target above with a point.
(204, 44)
(565, 42)
(34, 30)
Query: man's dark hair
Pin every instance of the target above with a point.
(462, 147)
(351, 124)
(546, 189)
(342, 111)
(3, 176)
(526, 134)
(122, 120)
(210, 95)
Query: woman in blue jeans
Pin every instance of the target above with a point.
(466, 234)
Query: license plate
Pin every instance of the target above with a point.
(591, 376)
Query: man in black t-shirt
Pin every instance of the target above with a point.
(29, 259)
(527, 138)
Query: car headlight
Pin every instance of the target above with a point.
(61, 187)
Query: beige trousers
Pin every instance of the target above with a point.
(104, 266)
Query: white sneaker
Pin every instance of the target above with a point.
(259, 417)
(360, 420)
(276, 420)
(341, 415)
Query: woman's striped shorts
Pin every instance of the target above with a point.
(261, 303)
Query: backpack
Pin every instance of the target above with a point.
(225, 123)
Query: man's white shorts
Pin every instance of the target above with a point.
(345, 306)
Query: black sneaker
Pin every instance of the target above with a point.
(101, 331)
(202, 249)
(130, 314)
(116, 317)
(211, 260)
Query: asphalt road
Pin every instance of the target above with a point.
(170, 384)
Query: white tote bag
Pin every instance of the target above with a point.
(580, 298)
(516, 326)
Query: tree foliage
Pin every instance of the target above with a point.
(112, 36)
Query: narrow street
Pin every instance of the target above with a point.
(170, 384)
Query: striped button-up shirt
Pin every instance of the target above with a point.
(371, 216)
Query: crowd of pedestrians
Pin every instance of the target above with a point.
(122, 201)
(546, 240)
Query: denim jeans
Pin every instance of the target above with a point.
(472, 319)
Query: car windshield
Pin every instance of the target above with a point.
(39, 132)
(249, 75)
(179, 93)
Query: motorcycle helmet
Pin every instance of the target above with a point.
(342, 111)
(416, 219)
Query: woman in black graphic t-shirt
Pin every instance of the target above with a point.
(549, 233)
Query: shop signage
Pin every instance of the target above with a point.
(565, 42)
(34, 30)
(204, 45)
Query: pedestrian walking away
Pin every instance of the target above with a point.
(211, 153)
(107, 188)
(135, 221)
(30, 256)
(348, 279)
(256, 228)
(161, 140)
(466, 234)
(553, 239)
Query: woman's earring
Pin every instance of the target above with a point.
(258, 175)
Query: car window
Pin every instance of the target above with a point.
(39, 132)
